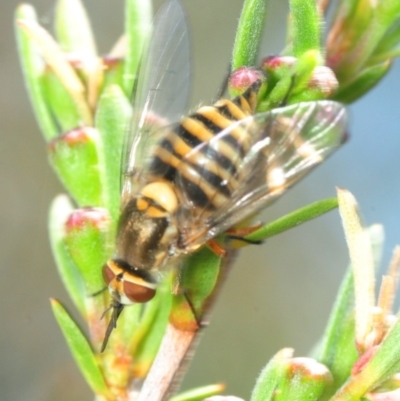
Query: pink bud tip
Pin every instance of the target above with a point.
(272, 63)
(87, 217)
(324, 79)
(74, 137)
(309, 367)
(243, 77)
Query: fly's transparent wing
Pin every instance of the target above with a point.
(162, 89)
(163, 85)
(251, 163)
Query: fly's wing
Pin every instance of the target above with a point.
(162, 91)
(251, 163)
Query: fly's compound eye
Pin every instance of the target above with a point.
(137, 292)
(127, 284)
(108, 274)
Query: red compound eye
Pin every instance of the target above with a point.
(108, 274)
(138, 293)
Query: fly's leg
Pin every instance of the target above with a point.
(98, 292)
(178, 290)
(216, 248)
(197, 318)
(224, 85)
(240, 233)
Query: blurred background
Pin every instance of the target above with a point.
(277, 295)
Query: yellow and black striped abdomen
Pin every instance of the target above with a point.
(201, 162)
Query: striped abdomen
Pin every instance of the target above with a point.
(203, 171)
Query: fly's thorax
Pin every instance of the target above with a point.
(147, 231)
(128, 285)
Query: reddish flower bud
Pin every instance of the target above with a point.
(273, 63)
(324, 80)
(242, 78)
(93, 217)
(86, 241)
(74, 156)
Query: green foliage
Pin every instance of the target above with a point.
(82, 104)
(249, 32)
(81, 350)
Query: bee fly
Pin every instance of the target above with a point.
(185, 183)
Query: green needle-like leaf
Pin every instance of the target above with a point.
(338, 350)
(73, 29)
(294, 219)
(147, 348)
(114, 71)
(112, 121)
(74, 156)
(306, 26)
(62, 106)
(382, 365)
(60, 210)
(86, 235)
(81, 350)
(33, 67)
(270, 376)
(56, 60)
(386, 362)
(199, 394)
(389, 46)
(359, 45)
(248, 34)
(138, 17)
(146, 317)
(362, 83)
(303, 379)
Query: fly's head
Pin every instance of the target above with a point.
(127, 286)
